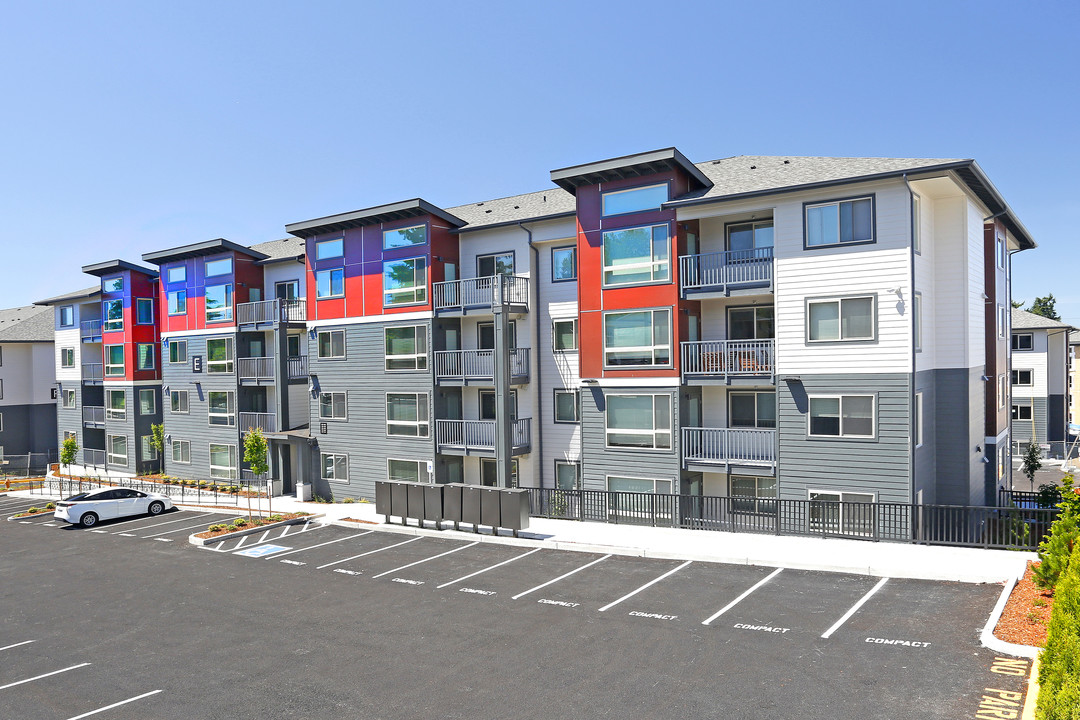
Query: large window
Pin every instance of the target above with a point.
(404, 237)
(406, 348)
(219, 355)
(176, 274)
(1021, 377)
(330, 283)
(67, 316)
(406, 470)
(636, 256)
(219, 302)
(638, 485)
(326, 249)
(335, 468)
(221, 408)
(117, 447)
(751, 323)
(144, 356)
(67, 357)
(181, 451)
(564, 334)
(222, 266)
(178, 302)
(407, 414)
(223, 462)
(745, 238)
(115, 405)
(842, 416)
(147, 401)
(638, 338)
(331, 344)
(753, 409)
(753, 494)
(178, 401)
(835, 223)
(642, 199)
(563, 263)
(144, 311)
(114, 360)
(113, 284)
(1023, 341)
(332, 406)
(638, 421)
(566, 406)
(496, 264)
(114, 315)
(404, 282)
(567, 475)
(177, 351)
(840, 319)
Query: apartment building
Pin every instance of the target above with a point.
(1074, 382)
(1040, 377)
(27, 377)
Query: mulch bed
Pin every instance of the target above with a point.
(362, 522)
(249, 525)
(30, 514)
(1027, 613)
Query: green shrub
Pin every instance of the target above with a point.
(33, 511)
(1059, 671)
(258, 522)
(239, 522)
(349, 500)
(50, 506)
(215, 528)
(203, 483)
(1057, 548)
(275, 518)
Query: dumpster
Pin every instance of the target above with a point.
(515, 509)
(399, 500)
(470, 504)
(452, 502)
(382, 498)
(491, 506)
(416, 501)
(433, 503)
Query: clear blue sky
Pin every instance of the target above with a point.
(129, 127)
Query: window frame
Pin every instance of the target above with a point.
(1003, 391)
(1017, 336)
(151, 355)
(67, 357)
(179, 398)
(653, 265)
(916, 223)
(1015, 415)
(671, 481)
(916, 321)
(208, 263)
(918, 420)
(169, 279)
(71, 315)
(115, 324)
(576, 394)
(573, 255)
(318, 345)
(106, 352)
(841, 435)
(230, 409)
(424, 425)
(637, 189)
(320, 244)
(180, 444)
(333, 417)
(1015, 377)
(65, 394)
(669, 430)
(398, 231)
(329, 272)
(839, 301)
(337, 457)
(515, 480)
(555, 334)
(229, 363)
(222, 314)
(1003, 322)
(415, 356)
(110, 455)
(653, 348)
(496, 255)
(180, 344)
(422, 474)
(114, 279)
(177, 302)
(758, 503)
(484, 393)
(733, 393)
(233, 468)
(576, 464)
(147, 449)
(153, 401)
(140, 303)
(419, 292)
(807, 206)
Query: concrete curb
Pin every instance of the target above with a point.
(17, 517)
(989, 640)
(198, 541)
(1032, 697)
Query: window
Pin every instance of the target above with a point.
(1023, 341)
(638, 485)
(566, 406)
(567, 474)
(845, 512)
(404, 282)
(222, 266)
(751, 323)
(406, 348)
(67, 433)
(916, 320)
(842, 416)
(485, 335)
(1003, 321)
(1003, 392)
(564, 334)
(640, 199)
(487, 405)
(149, 452)
(489, 472)
(117, 450)
(177, 351)
(745, 238)
(753, 494)
(331, 344)
(219, 301)
(144, 311)
(491, 265)
(67, 316)
(1021, 412)
(219, 355)
(178, 302)
(404, 237)
(176, 274)
(752, 410)
(326, 249)
(638, 421)
(563, 264)
(330, 283)
(144, 356)
(639, 338)
(1001, 253)
(406, 470)
(332, 406)
(147, 402)
(636, 256)
(179, 401)
(835, 223)
(287, 290)
(181, 451)
(407, 414)
(221, 409)
(114, 360)
(113, 284)
(114, 315)
(916, 223)
(67, 357)
(293, 346)
(115, 405)
(335, 468)
(67, 398)
(917, 421)
(842, 319)
(1022, 377)
(223, 462)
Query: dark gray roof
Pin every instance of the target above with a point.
(405, 209)
(208, 247)
(108, 267)
(1024, 320)
(85, 294)
(628, 166)
(279, 250)
(1074, 337)
(32, 323)
(543, 204)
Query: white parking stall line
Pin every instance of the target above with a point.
(418, 562)
(242, 541)
(132, 519)
(118, 704)
(742, 597)
(478, 572)
(15, 506)
(855, 608)
(19, 644)
(263, 536)
(369, 552)
(54, 672)
(649, 584)
(170, 522)
(561, 577)
(330, 542)
(170, 532)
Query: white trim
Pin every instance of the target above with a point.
(196, 333)
(322, 467)
(840, 435)
(129, 383)
(385, 317)
(656, 382)
(417, 423)
(421, 469)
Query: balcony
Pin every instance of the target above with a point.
(728, 362)
(477, 367)
(258, 421)
(93, 417)
(717, 449)
(481, 294)
(91, 331)
(93, 458)
(92, 373)
(722, 274)
(477, 437)
(255, 371)
(270, 312)
(297, 367)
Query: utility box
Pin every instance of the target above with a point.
(470, 504)
(491, 506)
(433, 503)
(515, 509)
(399, 500)
(416, 501)
(452, 501)
(382, 497)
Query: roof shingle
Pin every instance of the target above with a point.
(30, 323)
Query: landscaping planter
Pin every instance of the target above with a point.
(250, 530)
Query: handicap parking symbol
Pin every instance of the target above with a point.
(261, 550)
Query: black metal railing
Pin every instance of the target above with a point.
(213, 492)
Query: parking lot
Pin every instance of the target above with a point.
(328, 619)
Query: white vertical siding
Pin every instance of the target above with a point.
(976, 286)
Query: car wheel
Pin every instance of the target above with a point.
(88, 520)
(156, 508)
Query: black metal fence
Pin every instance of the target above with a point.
(987, 527)
(26, 465)
(210, 494)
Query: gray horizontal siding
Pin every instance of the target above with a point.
(1036, 428)
(28, 428)
(598, 461)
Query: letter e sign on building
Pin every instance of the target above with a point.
(196, 363)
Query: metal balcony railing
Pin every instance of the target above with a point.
(92, 372)
(721, 358)
(298, 367)
(479, 365)
(93, 416)
(727, 270)
(90, 329)
(469, 435)
(481, 293)
(271, 311)
(258, 421)
(724, 446)
(258, 369)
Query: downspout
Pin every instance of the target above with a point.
(914, 353)
(538, 363)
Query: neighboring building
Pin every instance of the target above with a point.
(27, 381)
(1040, 377)
(1074, 383)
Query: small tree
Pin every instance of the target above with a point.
(1032, 462)
(255, 457)
(68, 449)
(157, 441)
(1045, 306)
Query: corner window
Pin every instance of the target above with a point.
(335, 468)
(1021, 412)
(144, 311)
(638, 421)
(637, 339)
(567, 475)
(113, 312)
(223, 464)
(332, 406)
(849, 416)
(144, 356)
(841, 319)
(406, 470)
(114, 360)
(643, 199)
(67, 397)
(176, 274)
(117, 454)
(563, 264)
(407, 414)
(67, 316)
(838, 223)
(564, 335)
(181, 451)
(178, 402)
(1023, 341)
(636, 256)
(404, 237)
(219, 302)
(404, 282)
(219, 355)
(178, 302)
(1022, 377)
(113, 284)
(327, 249)
(566, 406)
(177, 351)
(115, 405)
(221, 408)
(331, 344)
(330, 283)
(147, 401)
(406, 348)
(222, 266)
(67, 357)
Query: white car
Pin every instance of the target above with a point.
(88, 508)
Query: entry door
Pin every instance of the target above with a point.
(288, 290)
(751, 323)
(485, 335)
(745, 238)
